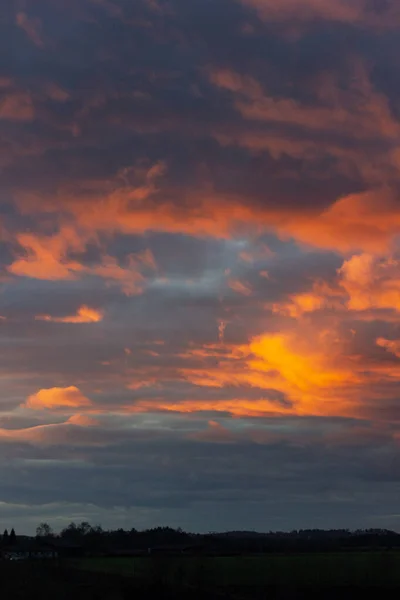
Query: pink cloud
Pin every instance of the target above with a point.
(17, 106)
(358, 12)
(32, 28)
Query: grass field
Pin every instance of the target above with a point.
(341, 569)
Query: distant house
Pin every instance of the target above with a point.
(29, 549)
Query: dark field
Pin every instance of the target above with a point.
(270, 577)
(381, 569)
(48, 580)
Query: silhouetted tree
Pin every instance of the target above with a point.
(44, 531)
(13, 538)
(70, 532)
(84, 528)
(6, 538)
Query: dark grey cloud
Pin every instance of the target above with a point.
(108, 88)
(180, 478)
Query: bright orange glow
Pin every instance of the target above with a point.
(303, 371)
(53, 398)
(310, 374)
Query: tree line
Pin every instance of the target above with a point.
(89, 535)
(8, 539)
(94, 537)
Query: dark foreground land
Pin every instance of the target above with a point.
(286, 577)
(371, 568)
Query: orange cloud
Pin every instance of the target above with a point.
(313, 377)
(393, 346)
(114, 211)
(124, 216)
(240, 287)
(307, 372)
(371, 282)
(236, 407)
(53, 398)
(127, 207)
(300, 304)
(368, 221)
(321, 296)
(83, 315)
(47, 258)
(306, 368)
(82, 421)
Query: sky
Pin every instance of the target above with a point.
(200, 263)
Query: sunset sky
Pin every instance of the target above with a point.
(200, 263)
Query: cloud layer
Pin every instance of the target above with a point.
(200, 262)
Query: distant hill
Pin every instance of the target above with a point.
(305, 534)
